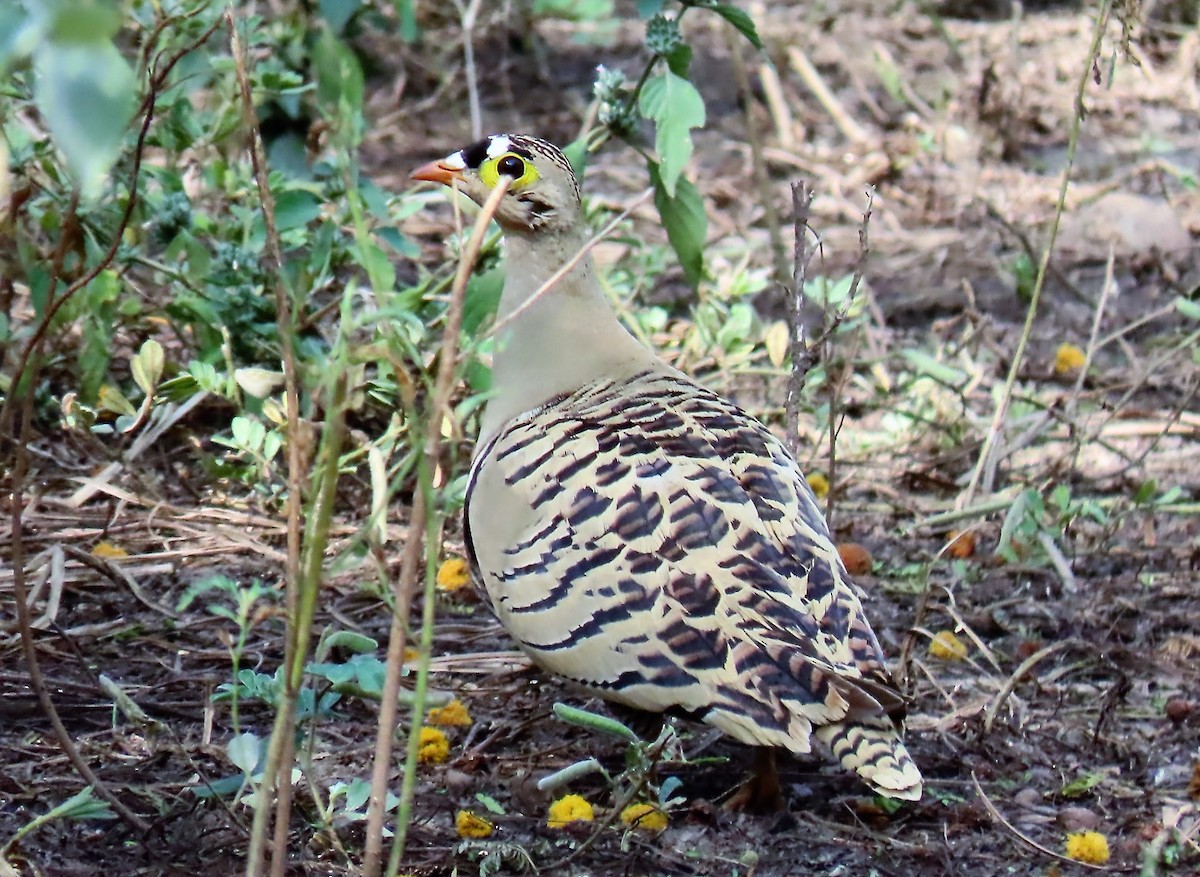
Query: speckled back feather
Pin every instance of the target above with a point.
(665, 551)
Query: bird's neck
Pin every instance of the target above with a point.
(558, 341)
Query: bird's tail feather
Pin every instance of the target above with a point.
(877, 755)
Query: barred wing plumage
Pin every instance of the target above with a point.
(661, 547)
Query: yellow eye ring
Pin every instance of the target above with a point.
(511, 165)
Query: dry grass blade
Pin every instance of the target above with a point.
(1017, 675)
(1027, 840)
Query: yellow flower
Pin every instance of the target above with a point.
(572, 808)
(819, 484)
(947, 646)
(453, 574)
(108, 551)
(468, 825)
(1068, 358)
(1087, 846)
(644, 817)
(452, 715)
(432, 746)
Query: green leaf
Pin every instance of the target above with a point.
(685, 221)
(147, 366)
(88, 23)
(339, 74)
(679, 59)
(337, 12)
(1081, 785)
(1187, 307)
(490, 803)
(482, 299)
(939, 371)
(18, 34)
(295, 208)
(409, 30)
(740, 20)
(243, 750)
(676, 108)
(85, 92)
(604, 724)
(577, 154)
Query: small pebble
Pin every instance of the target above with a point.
(1027, 798)
(1178, 709)
(1078, 819)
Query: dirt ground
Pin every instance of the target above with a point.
(1077, 705)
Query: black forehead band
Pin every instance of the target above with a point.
(477, 153)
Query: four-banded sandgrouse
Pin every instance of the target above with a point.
(642, 536)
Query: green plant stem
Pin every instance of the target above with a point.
(282, 747)
(993, 433)
(433, 526)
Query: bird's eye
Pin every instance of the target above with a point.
(511, 166)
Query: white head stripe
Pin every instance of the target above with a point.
(455, 161)
(499, 145)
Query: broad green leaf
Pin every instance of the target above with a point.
(482, 299)
(243, 751)
(577, 154)
(676, 108)
(339, 74)
(337, 12)
(147, 365)
(685, 221)
(18, 34)
(295, 208)
(680, 59)
(110, 398)
(740, 20)
(85, 92)
(409, 29)
(88, 23)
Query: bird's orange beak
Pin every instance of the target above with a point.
(437, 172)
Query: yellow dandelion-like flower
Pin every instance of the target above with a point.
(1087, 846)
(108, 551)
(452, 715)
(947, 646)
(572, 808)
(644, 817)
(432, 746)
(453, 574)
(1068, 358)
(819, 484)
(468, 825)
(411, 654)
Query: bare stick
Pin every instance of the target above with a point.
(802, 352)
(468, 15)
(852, 131)
(282, 746)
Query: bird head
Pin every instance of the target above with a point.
(543, 193)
